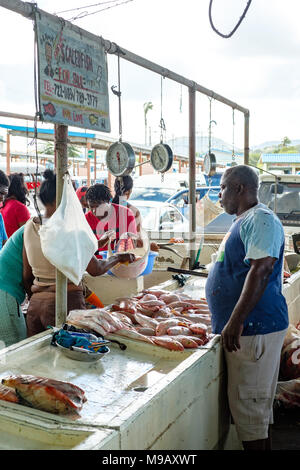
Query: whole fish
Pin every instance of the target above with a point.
(169, 298)
(178, 330)
(133, 334)
(8, 394)
(195, 318)
(146, 321)
(188, 342)
(198, 328)
(145, 330)
(168, 343)
(124, 318)
(46, 394)
(163, 326)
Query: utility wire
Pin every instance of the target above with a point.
(226, 36)
(84, 14)
(86, 6)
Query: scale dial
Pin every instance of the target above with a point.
(120, 159)
(210, 164)
(161, 157)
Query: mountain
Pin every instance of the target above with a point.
(180, 145)
(271, 144)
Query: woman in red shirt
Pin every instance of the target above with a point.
(105, 216)
(14, 210)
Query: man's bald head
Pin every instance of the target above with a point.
(242, 174)
(239, 185)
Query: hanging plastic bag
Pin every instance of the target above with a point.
(67, 240)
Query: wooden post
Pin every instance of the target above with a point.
(60, 145)
(8, 153)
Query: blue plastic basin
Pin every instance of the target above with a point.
(148, 269)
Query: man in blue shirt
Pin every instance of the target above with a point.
(244, 294)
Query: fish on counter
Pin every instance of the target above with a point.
(46, 394)
(8, 394)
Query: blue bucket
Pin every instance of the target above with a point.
(148, 269)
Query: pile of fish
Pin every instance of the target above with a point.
(171, 320)
(42, 393)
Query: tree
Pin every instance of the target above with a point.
(147, 107)
(48, 149)
(285, 142)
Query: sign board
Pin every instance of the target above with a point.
(73, 86)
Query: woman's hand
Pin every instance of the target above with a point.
(104, 239)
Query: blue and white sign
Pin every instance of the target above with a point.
(72, 76)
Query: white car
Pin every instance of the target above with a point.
(162, 220)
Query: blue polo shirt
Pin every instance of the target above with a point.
(256, 234)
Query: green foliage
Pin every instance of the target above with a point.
(48, 149)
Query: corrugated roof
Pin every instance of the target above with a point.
(280, 158)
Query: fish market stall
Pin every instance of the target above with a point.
(149, 396)
(144, 397)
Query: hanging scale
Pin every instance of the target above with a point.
(120, 156)
(161, 156)
(210, 163)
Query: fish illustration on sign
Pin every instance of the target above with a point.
(93, 119)
(49, 108)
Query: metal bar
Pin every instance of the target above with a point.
(61, 135)
(8, 153)
(246, 138)
(26, 9)
(17, 116)
(187, 271)
(192, 177)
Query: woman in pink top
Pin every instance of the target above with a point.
(14, 211)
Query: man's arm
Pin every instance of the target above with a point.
(255, 284)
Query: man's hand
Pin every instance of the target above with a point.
(231, 335)
(126, 257)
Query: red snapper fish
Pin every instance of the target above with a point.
(46, 394)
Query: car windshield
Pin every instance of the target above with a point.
(151, 194)
(287, 199)
(148, 215)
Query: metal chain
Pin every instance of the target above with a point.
(162, 122)
(233, 124)
(118, 94)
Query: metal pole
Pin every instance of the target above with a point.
(192, 175)
(8, 153)
(95, 165)
(246, 138)
(61, 149)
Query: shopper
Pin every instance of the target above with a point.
(105, 217)
(12, 291)
(81, 194)
(244, 294)
(4, 183)
(14, 210)
(123, 188)
(41, 309)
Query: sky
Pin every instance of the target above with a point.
(258, 67)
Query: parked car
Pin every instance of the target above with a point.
(161, 217)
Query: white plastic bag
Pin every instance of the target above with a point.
(67, 240)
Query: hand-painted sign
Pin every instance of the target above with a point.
(72, 76)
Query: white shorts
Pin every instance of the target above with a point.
(252, 378)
